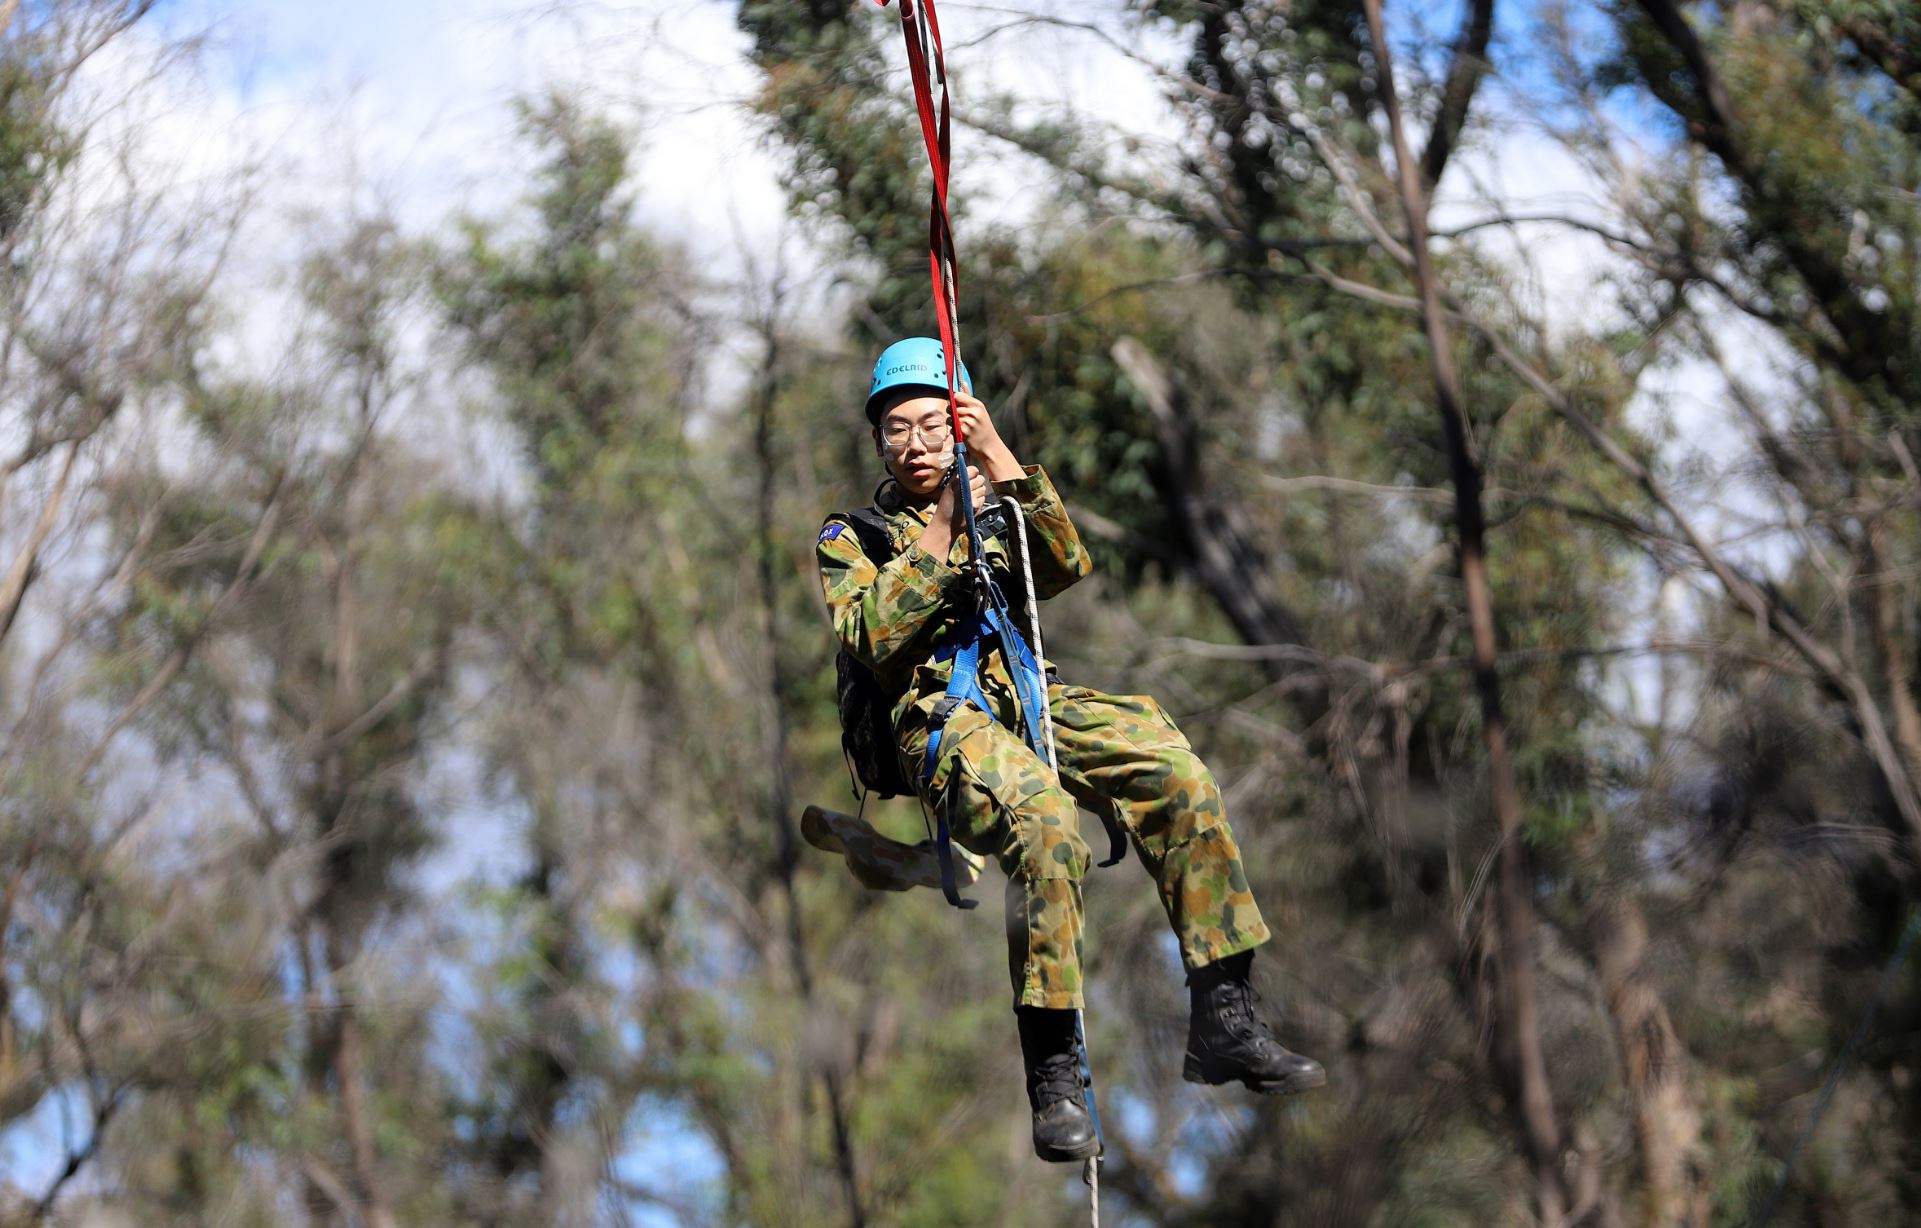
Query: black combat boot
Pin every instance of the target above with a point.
(1226, 1040)
(1063, 1130)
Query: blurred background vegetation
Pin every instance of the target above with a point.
(402, 740)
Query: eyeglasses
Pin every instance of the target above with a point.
(933, 434)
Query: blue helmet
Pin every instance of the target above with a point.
(916, 362)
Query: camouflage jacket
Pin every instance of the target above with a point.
(890, 618)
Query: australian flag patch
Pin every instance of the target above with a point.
(831, 532)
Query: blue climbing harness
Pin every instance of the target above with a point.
(963, 684)
(963, 687)
(991, 621)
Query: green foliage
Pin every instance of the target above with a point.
(34, 148)
(340, 673)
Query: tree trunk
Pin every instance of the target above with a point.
(780, 799)
(1218, 549)
(13, 588)
(355, 1120)
(1515, 1014)
(1891, 642)
(1667, 1121)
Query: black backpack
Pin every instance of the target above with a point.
(866, 707)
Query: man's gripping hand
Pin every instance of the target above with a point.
(948, 522)
(984, 443)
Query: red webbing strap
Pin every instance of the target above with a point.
(921, 29)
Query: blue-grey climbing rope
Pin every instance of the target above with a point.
(1034, 627)
(927, 67)
(1091, 1168)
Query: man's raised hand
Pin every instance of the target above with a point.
(983, 440)
(948, 522)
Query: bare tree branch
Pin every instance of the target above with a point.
(1464, 75)
(1225, 557)
(243, 577)
(1767, 609)
(102, 1115)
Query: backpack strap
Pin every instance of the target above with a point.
(870, 530)
(876, 544)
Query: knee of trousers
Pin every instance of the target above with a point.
(1183, 801)
(1127, 753)
(1034, 837)
(1045, 841)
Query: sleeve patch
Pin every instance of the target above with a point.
(831, 532)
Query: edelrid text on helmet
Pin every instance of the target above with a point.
(914, 362)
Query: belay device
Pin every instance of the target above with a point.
(926, 65)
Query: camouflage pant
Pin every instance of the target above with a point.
(1117, 753)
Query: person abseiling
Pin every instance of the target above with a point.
(1117, 754)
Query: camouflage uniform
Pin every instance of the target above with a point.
(1117, 753)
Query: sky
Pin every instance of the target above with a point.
(415, 98)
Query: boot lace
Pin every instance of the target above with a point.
(1057, 1077)
(1236, 1002)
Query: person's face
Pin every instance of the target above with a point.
(915, 439)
